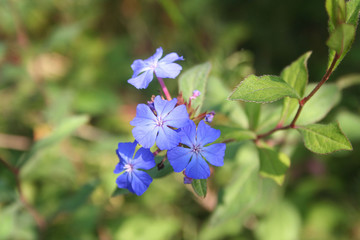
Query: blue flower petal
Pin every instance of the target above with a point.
(167, 138)
(206, 134)
(144, 116)
(122, 181)
(178, 117)
(125, 151)
(140, 182)
(119, 167)
(197, 168)
(145, 135)
(179, 158)
(143, 80)
(153, 60)
(170, 58)
(188, 134)
(214, 154)
(163, 107)
(168, 70)
(144, 159)
(139, 66)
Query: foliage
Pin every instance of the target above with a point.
(66, 104)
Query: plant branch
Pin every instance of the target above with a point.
(40, 221)
(323, 80)
(302, 102)
(277, 128)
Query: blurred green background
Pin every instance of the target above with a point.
(60, 59)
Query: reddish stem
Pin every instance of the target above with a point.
(156, 152)
(165, 90)
(272, 131)
(323, 80)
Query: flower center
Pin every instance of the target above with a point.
(159, 122)
(153, 66)
(196, 148)
(129, 167)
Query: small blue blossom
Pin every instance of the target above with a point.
(164, 68)
(187, 180)
(209, 117)
(192, 157)
(135, 180)
(157, 125)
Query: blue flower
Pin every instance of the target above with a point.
(192, 157)
(135, 180)
(187, 180)
(144, 69)
(209, 117)
(157, 125)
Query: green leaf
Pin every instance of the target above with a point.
(350, 122)
(352, 12)
(8, 212)
(64, 130)
(240, 195)
(139, 225)
(216, 92)
(195, 79)
(162, 172)
(262, 89)
(199, 186)
(269, 118)
(348, 81)
(342, 38)
(296, 75)
(119, 191)
(272, 227)
(323, 139)
(78, 199)
(323, 217)
(235, 133)
(319, 105)
(337, 13)
(273, 164)
(253, 113)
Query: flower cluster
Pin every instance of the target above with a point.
(166, 124)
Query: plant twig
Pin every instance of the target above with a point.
(39, 219)
(303, 101)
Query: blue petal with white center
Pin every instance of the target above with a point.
(133, 178)
(194, 155)
(158, 125)
(164, 68)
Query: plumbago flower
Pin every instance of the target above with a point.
(157, 123)
(166, 123)
(163, 68)
(192, 156)
(135, 180)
